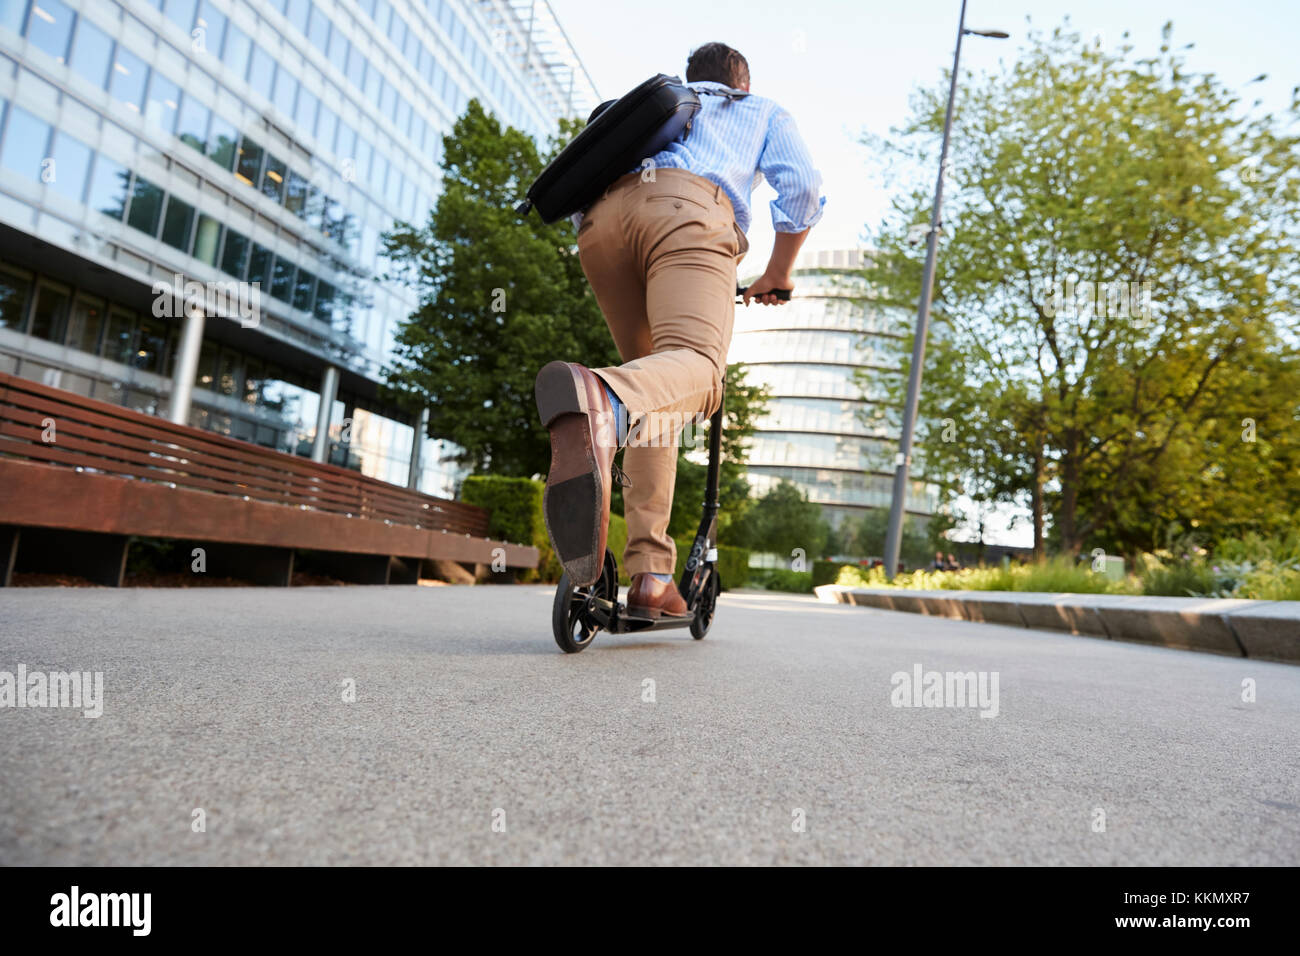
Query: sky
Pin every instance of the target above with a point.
(843, 67)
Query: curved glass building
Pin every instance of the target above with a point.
(829, 430)
(157, 146)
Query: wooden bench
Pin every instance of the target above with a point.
(83, 476)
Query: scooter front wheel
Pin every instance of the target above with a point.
(706, 605)
(571, 618)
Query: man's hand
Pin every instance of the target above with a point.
(764, 284)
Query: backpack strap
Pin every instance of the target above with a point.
(725, 91)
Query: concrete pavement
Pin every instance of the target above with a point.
(232, 701)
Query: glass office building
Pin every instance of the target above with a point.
(829, 429)
(146, 144)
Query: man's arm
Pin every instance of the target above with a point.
(779, 266)
(788, 166)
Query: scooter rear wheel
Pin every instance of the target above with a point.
(571, 618)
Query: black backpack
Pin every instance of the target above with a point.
(619, 135)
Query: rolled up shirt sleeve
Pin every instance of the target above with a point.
(788, 166)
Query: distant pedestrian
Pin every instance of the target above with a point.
(953, 564)
(939, 563)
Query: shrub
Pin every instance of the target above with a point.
(515, 515)
(782, 579)
(1056, 575)
(1181, 579)
(827, 572)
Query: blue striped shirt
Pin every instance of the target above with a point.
(736, 143)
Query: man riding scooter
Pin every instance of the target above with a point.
(660, 250)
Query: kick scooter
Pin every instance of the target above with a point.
(579, 614)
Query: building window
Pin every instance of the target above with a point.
(237, 50)
(193, 124)
(273, 178)
(221, 143)
(260, 266)
(325, 126)
(15, 296)
(108, 187)
(128, 79)
(86, 325)
(248, 169)
(25, 141)
(164, 102)
(261, 69)
(177, 224)
(305, 114)
(72, 160)
(303, 289)
(286, 90)
(207, 238)
(146, 206)
(295, 194)
(318, 30)
(91, 53)
(282, 286)
(119, 339)
(234, 259)
(181, 13)
(50, 27)
(151, 353)
(212, 23)
(50, 318)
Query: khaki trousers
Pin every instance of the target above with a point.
(661, 258)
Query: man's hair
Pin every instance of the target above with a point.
(719, 63)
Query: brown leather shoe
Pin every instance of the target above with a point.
(652, 598)
(572, 404)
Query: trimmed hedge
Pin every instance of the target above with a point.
(733, 563)
(515, 507)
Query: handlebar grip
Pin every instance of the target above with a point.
(782, 294)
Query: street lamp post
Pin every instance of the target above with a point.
(897, 509)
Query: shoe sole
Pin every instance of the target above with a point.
(571, 502)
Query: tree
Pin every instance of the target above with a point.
(1115, 295)
(500, 296)
(918, 545)
(784, 521)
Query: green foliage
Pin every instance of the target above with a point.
(784, 520)
(827, 572)
(733, 563)
(499, 298)
(1182, 579)
(616, 541)
(1079, 162)
(742, 405)
(515, 515)
(870, 532)
(1059, 575)
(782, 579)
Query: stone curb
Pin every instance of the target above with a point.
(1264, 630)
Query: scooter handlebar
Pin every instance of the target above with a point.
(782, 294)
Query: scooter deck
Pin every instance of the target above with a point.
(621, 621)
